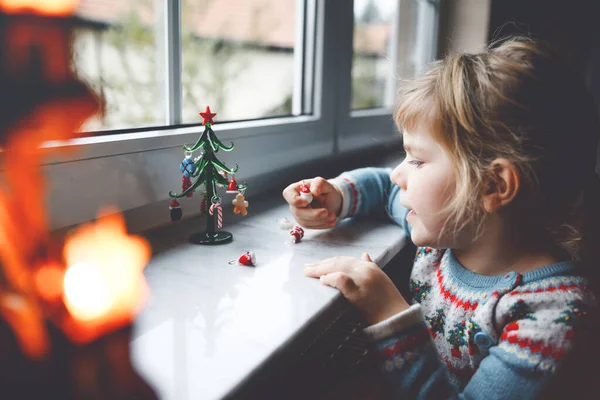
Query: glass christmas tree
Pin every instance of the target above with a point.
(208, 171)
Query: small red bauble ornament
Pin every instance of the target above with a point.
(296, 234)
(248, 259)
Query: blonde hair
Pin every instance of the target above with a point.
(512, 101)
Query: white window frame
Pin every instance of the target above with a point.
(135, 171)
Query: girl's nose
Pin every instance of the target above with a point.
(398, 176)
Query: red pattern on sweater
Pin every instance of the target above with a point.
(354, 196)
(513, 326)
(448, 295)
(399, 347)
(534, 346)
(560, 288)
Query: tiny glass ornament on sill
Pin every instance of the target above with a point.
(285, 224)
(296, 235)
(305, 193)
(209, 171)
(248, 259)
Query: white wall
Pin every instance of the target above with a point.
(464, 26)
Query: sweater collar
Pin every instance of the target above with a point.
(472, 279)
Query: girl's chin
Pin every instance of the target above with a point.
(422, 243)
(419, 239)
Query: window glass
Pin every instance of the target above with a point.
(239, 57)
(114, 51)
(372, 66)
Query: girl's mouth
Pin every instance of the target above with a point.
(411, 212)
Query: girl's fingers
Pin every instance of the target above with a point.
(298, 200)
(340, 281)
(331, 265)
(319, 186)
(291, 194)
(311, 214)
(313, 218)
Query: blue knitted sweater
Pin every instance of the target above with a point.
(468, 335)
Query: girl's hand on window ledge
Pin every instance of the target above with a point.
(363, 283)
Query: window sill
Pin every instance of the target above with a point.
(210, 326)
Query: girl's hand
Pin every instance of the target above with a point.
(326, 205)
(363, 283)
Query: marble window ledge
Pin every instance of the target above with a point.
(209, 325)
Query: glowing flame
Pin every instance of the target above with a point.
(44, 7)
(104, 285)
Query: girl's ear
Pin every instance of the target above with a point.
(503, 186)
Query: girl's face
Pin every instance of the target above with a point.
(427, 181)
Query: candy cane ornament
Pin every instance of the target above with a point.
(216, 204)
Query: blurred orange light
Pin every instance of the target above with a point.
(44, 7)
(88, 292)
(49, 282)
(19, 311)
(104, 283)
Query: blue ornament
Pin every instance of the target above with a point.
(188, 167)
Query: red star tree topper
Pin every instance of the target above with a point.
(207, 116)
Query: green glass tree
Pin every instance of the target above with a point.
(205, 170)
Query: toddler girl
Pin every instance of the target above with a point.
(498, 192)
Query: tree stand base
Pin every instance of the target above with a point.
(220, 237)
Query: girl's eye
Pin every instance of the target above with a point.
(416, 163)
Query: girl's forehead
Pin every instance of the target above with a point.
(422, 140)
(418, 137)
